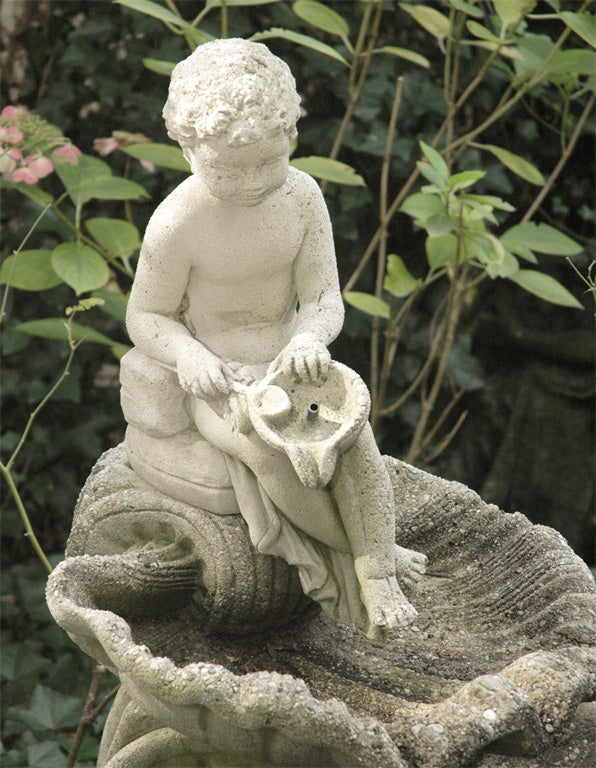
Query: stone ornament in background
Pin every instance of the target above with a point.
(249, 491)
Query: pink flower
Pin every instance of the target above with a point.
(36, 167)
(8, 160)
(12, 113)
(11, 134)
(105, 146)
(69, 152)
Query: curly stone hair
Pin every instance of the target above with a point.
(232, 89)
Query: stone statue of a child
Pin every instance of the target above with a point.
(237, 277)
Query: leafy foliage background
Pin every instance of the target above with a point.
(85, 73)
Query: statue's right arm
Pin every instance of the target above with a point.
(158, 290)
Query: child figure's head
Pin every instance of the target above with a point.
(233, 108)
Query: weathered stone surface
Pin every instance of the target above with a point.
(491, 673)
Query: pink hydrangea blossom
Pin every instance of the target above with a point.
(69, 152)
(12, 113)
(11, 134)
(36, 168)
(9, 158)
(105, 146)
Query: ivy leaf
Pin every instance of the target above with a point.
(330, 170)
(165, 155)
(430, 19)
(404, 53)
(18, 662)
(515, 163)
(29, 271)
(365, 302)
(545, 287)
(583, 24)
(80, 267)
(48, 709)
(115, 235)
(296, 37)
(159, 66)
(542, 238)
(320, 16)
(399, 280)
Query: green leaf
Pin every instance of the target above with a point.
(80, 267)
(155, 10)
(92, 178)
(32, 191)
(470, 10)
(55, 328)
(510, 11)
(305, 40)
(497, 261)
(465, 179)
(114, 304)
(422, 206)
(48, 709)
(438, 225)
(542, 238)
(572, 63)
(432, 175)
(18, 662)
(219, 3)
(404, 53)
(165, 155)
(115, 235)
(29, 271)
(489, 200)
(331, 170)
(504, 50)
(430, 19)
(159, 66)
(583, 24)
(435, 159)
(321, 17)
(517, 249)
(482, 32)
(44, 754)
(515, 163)
(365, 302)
(399, 281)
(545, 287)
(441, 250)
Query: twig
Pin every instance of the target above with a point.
(562, 161)
(89, 713)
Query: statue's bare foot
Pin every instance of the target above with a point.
(410, 566)
(388, 610)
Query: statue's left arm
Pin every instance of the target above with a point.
(320, 305)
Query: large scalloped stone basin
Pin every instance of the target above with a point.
(491, 673)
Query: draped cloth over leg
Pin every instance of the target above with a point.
(282, 516)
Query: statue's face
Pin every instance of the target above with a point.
(243, 175)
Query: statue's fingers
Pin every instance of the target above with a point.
(324, 361)
(313, 366)
(301, 367)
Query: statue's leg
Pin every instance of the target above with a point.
(364, 496)
(312, 510)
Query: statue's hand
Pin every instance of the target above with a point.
(304, 358)
(203, 374)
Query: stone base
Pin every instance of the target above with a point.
(490, 674)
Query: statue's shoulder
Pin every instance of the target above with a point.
(303, 187)
(180, 206)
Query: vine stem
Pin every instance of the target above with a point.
(562, 161)
(382, 258)
(29, 532)
(357, 91)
